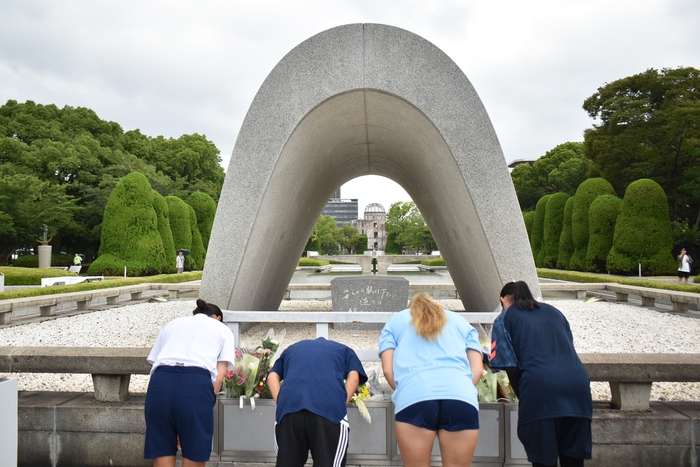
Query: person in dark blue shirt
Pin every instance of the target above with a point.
(319, 378)
(556, 408)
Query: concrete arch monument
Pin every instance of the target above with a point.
(356, 100)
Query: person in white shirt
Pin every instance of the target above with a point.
(684, 262)
(189, 361)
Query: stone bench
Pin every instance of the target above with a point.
(579, 288)
(111, 368)
(680, 300)
(47, 303)
(631, 375)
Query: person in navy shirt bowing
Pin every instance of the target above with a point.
(320, 377)
(556, 408)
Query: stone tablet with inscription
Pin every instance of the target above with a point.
(368, 293)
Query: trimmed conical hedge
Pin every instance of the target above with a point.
(528, 218)
(585, 194)
(537, 235)
(130, 235)
(205, 208)
(197, 250)
(602, 216)
(180, 224)
(643, 232)
(166, 235)
(566, 243)
(553, 224)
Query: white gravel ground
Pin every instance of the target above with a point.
(597, 327)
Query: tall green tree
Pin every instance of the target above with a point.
(349, 237)
(648, 126)
(405, 221)
(84, 157)
(326, 233)
(561, 169)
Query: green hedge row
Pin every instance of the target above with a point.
(313, 262)
(32, 261)
(575, 276)
(433, 262)
(30, 276)
(106, 284)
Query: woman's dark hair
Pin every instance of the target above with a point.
(208, 308)
(522, 297)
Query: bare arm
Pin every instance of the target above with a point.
(476, 364)
(388, 367)
(221, 368)
(351, 384)
(273, 384)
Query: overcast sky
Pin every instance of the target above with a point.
(180, 67)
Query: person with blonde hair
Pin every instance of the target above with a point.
(432, 359)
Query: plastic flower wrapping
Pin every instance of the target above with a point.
(246, 377)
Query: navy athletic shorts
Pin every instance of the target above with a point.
(441, 414)
(545, 440)
(179, 402)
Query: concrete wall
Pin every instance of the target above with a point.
(356, 100)
(71, 429)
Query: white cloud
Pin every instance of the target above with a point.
(176, 67)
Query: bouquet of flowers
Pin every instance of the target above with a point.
(247, 376)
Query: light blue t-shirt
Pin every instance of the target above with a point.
(431, 370)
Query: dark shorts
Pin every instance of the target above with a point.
(179, 402)
(300, 432)
(545, 440)
(442, 414)
(683, 274)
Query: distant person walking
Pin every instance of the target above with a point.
(432, 358)
(77, 260)
(180, 261)
(555, 411)
(189, 358)
(684, 262)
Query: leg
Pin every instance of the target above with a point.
(291, 441)
(457, 447)
(415, 444)
(189, 463)
(566, 461)
(165, 461)
(328, 441)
